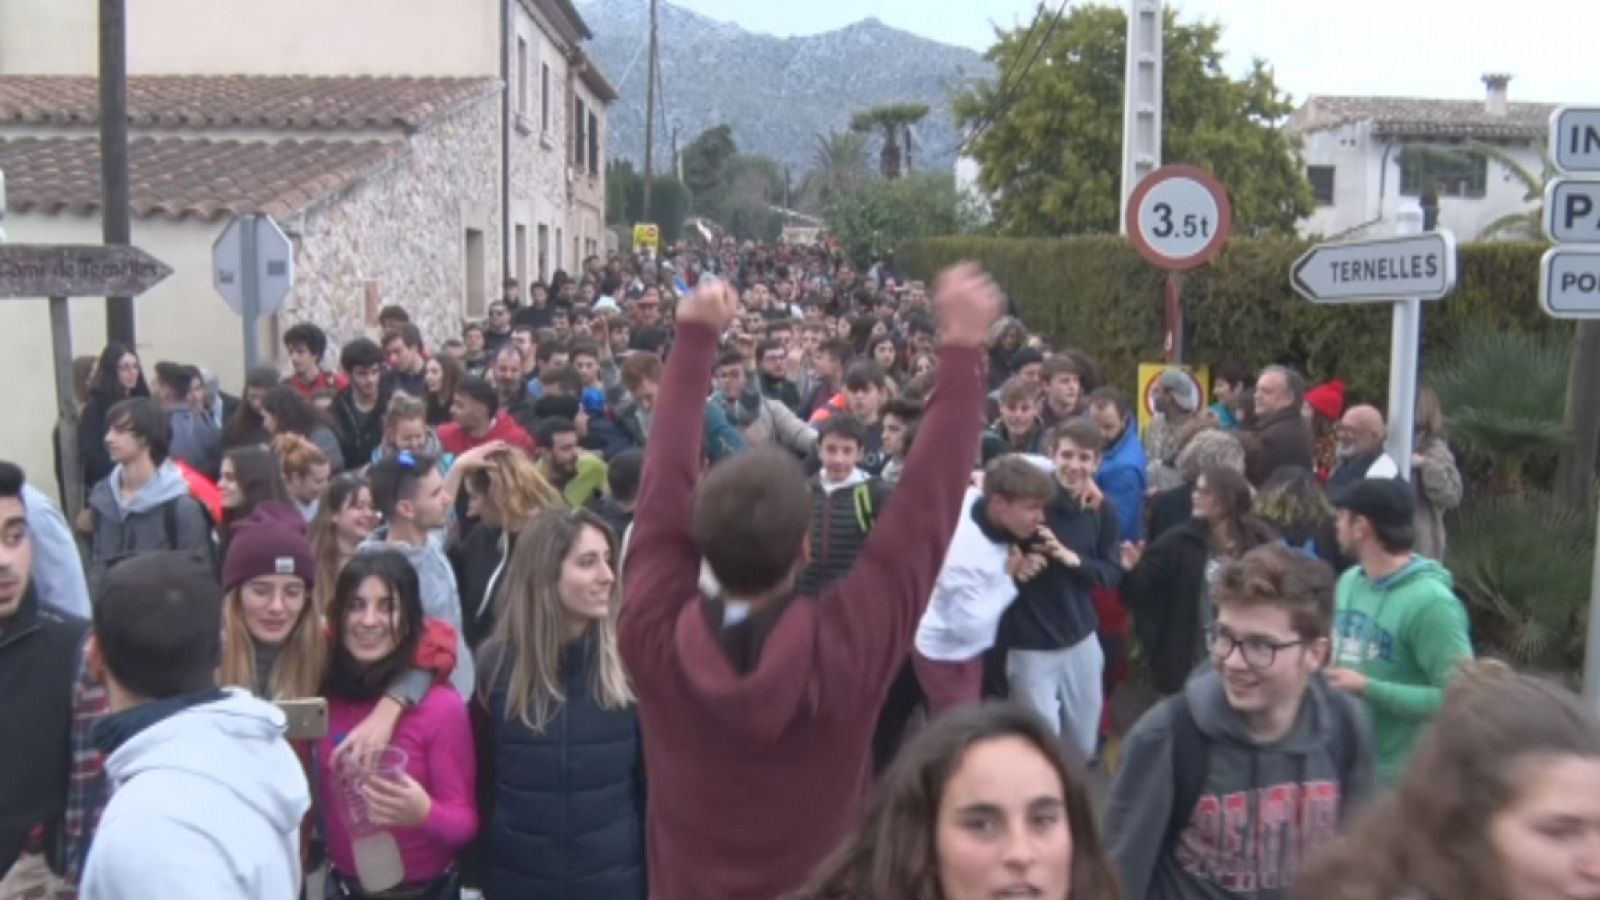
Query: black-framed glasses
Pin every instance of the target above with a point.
(1258, 652)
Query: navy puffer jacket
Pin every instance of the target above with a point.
(567, 815)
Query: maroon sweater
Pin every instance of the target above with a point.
(755, 777)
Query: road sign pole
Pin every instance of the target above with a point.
(1174, 316)
(250, 284)
(1404, 350)
(1591, 652)
(72, 485)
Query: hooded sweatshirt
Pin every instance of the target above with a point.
(124, 527)
(803, 696)
(1406, 633)
(1264, 807)
(206, 804)
(440, 598)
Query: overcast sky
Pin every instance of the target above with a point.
(1427, 48)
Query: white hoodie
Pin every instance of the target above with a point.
(206, 805)
(973, 591)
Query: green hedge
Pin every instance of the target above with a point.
(1097, 294)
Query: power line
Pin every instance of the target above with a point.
(1004, 98)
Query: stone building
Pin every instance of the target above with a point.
(415, 153)
(389, 188)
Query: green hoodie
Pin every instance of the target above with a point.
(1406, 633)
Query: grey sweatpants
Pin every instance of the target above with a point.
(1064, 687)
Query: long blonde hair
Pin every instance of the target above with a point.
(529, 639)
(301, 662)
(512, 483)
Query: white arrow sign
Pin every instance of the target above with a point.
(1569, 282)
(1421, 267)
(1575, 138)
(1572, 210)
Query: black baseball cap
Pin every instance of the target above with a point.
(1383, 501)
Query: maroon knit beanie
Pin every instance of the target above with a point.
(270, 541)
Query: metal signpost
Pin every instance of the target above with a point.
(60, 271)
(1404, 270)
(252, 267)
(1569, 282)
(1178, 219)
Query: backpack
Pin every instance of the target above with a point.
(169, 531)
(1191, 759)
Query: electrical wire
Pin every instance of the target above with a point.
(1004, 97)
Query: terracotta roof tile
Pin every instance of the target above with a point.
(1420, 116)
(291, 103)
(177, 178)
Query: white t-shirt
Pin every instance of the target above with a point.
(972, 593)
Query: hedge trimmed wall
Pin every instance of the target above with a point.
(1097, 294)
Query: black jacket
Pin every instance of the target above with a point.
(564, 809)
(840, 523)
(1053, 610)
(1163, 592)
(360, 433)
(41, 651)
(480, 561)
(93, 457)
(1168, 509)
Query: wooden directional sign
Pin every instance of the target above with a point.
(1421, 266)
(77, 270)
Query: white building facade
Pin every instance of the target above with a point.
(1368, 156)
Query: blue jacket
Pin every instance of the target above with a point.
(1122, 479)
(566, 818)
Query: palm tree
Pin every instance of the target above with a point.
(895, 121)
(839, 162)
(1527, 225)
(1522, 226)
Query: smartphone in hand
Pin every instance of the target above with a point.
(307, 718)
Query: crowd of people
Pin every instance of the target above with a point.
(747, 573)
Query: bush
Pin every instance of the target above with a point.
(1096, 293)
(1522, 566)
(1504, 396)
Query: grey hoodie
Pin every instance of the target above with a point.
(138, 525)
(441, 599)
(1264, 808)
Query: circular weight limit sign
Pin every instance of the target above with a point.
(1178, 217)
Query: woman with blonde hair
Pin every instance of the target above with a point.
(553, 689)
(1438, 481)
(345, 517)
(505, 491)
(305, 471)
(1500, 802)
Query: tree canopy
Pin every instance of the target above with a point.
(1050, 144)
(894, 121)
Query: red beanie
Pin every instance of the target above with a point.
(1327, 399)
(270, 541)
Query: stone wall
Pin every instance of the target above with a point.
(404, 231)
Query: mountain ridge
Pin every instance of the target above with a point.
(776, 93)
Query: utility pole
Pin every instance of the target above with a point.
(650, 119)
(116, 227)
(677, 158)
(1141, 98)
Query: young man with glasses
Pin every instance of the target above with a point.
(1227, 786)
